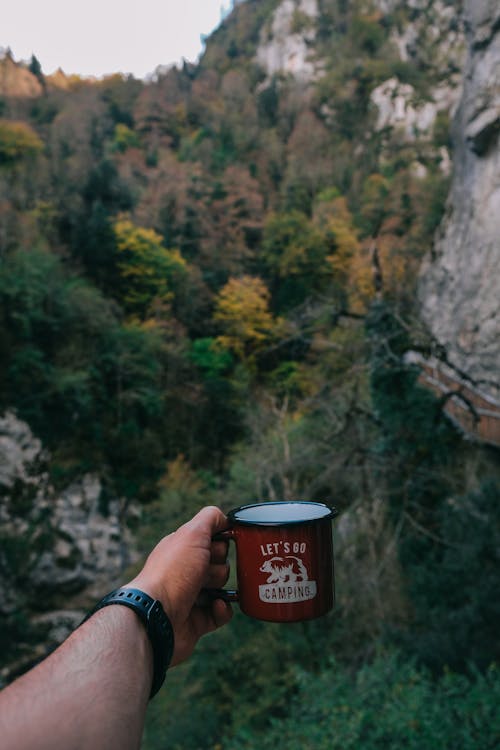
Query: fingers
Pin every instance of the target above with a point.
(209, 520)
(209, 618)
(221, 613)
(218, 553)
(216, 616)
(216, 576)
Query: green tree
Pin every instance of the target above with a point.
(95, 246)
(294, 256)
(89, 386)
(373, 208)
(18, 141)
(149, 272)
(242, 310)
(124, 138)
(35, 68)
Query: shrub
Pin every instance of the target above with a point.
(388, 704)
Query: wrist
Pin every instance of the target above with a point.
(157, 590)
(155, 624)
(125, 635)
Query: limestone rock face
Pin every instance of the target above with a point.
(285, 47)
(460, 282)
(20, 454)
(89, 545)
(395, 102)
(433, 38)
(53, 543)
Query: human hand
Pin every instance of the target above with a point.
(178, 568)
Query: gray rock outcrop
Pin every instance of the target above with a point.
(397, 108)
(460, 282)
(286, 46)
(432, 37)
(59, 550)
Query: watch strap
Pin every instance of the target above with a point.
(156, 622)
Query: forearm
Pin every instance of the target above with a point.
(91, 692)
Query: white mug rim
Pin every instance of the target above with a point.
(235, 517)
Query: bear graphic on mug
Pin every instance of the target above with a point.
(284, 569)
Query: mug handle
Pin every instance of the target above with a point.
(223, 536)
(227, 595)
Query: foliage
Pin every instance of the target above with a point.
(300, 22)
(95, 246)
(294, 252)
(211, 357)
(149, 272)
(457, 611)
(18, 140)
(367, 33)
(124, 138)
(291, 246)
(35, 67)
(454, 609)
(86, 383)
(389, 703)
(242, 309)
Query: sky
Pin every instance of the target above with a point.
(98, 37)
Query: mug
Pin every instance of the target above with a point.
(284, 560)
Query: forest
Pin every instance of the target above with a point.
(207, 291)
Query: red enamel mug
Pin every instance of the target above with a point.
(284, 560)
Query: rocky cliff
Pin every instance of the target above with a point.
(287, 43)
(59, 550)
(460, 282)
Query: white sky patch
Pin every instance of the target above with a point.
(98, 37)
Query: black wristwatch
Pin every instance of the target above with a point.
(158, 627)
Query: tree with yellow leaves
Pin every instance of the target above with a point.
(349, 261)
(18, 140)
(150, 273)
(242, 309)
